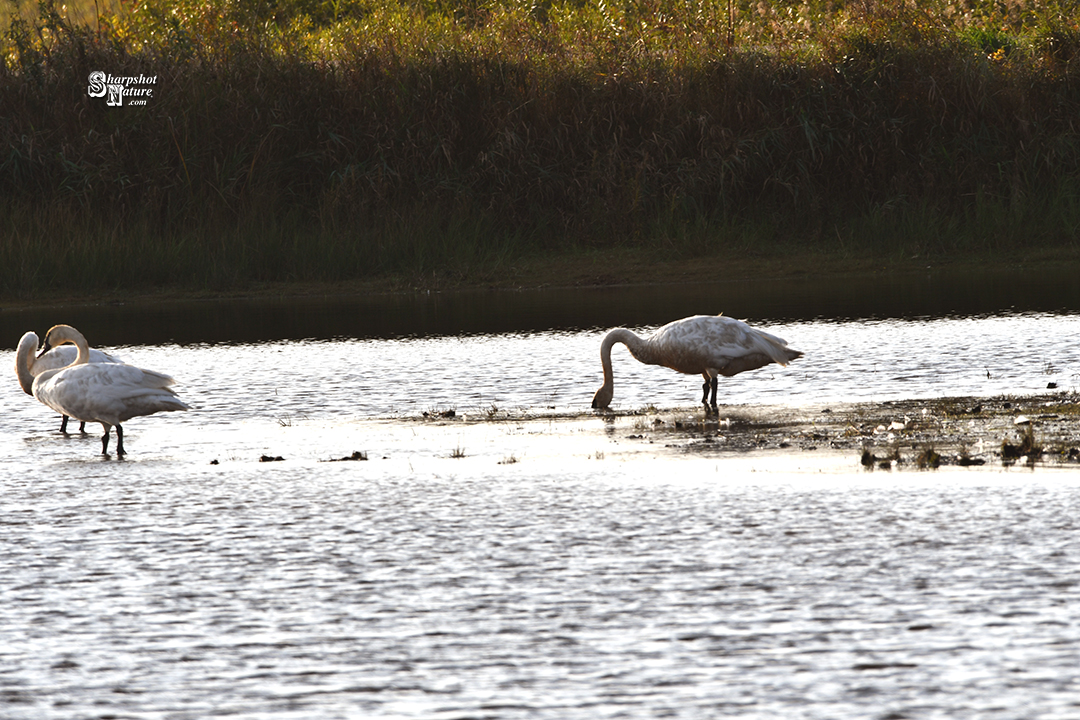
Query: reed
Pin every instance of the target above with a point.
(361, 138)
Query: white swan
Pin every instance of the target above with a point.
(27, 367)
(709, 345)
(108, 393)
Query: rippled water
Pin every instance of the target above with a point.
(352, 378)
(362, 593)
(542, 575)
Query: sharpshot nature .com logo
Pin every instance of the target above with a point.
(136, 88)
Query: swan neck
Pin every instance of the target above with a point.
(67, 335)
(84, 351)
(639, 347)
(633, 343)
(24, 360)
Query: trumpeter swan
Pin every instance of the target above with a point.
(709, 345)
(27, 367)
(107, 393)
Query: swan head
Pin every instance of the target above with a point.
(61, 335)
(603, 396)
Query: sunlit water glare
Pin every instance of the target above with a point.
(535, 371)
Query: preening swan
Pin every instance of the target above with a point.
(108, 393)
(27, 367)
(709, 345)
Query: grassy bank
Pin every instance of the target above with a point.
(306, 141)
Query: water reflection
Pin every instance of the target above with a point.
(932, 294)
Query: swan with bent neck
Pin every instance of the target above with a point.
(27, 367)
(106, 393)
(706, 345)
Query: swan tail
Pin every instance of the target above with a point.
(149, 405)
(776, 348)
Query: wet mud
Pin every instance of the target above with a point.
(897, 434)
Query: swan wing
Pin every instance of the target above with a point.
(58, 357)
(63, 355)
(100, 356)
(715, 342)
(107, 392)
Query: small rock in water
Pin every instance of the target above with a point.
(357, 455)
(270, 458)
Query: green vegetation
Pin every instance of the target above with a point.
(330, 140)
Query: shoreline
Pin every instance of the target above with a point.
(916, 433)
(591, 269)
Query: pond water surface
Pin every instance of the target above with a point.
(535, 568)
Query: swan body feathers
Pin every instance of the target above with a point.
(106, 393)
(109, 393)
(27, 366)
(709, 345)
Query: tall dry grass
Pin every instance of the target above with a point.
(332, 140)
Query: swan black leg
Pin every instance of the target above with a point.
(715, 382)
(82, 428)
(63, 424)
(119, 441)
(705, 393)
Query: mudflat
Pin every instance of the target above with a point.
(916, 434)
